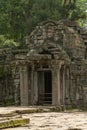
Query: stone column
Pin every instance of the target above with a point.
(40, 87)
(17, 92)
(32, 87)
(56, 86)
(24, 85)
(35, 88)
(67, 86)
(16, 79)
(63, 100)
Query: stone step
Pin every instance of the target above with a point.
(10, 114)
(28, 111)
(8, 118)
(14, 123)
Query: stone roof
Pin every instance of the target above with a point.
(50, 34)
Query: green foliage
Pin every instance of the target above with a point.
(43, 10)
(75, 9)
(4, 42)
(18, 18)
(12, 19)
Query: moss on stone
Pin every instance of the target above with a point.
(14, 123)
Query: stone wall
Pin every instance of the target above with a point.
(59, 46)
(6, 89)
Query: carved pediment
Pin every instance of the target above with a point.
(45, 33)
(56, 38)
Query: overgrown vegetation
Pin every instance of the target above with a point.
(6, 43)
(18, 18)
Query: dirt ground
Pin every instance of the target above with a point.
(55, 121)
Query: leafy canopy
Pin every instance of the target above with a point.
(18, 18)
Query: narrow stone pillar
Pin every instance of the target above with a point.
(16, 79)
(32, 86)
(35, 88)
(17, 92)
(24, 85)
(56, 87)
(67, 86)
(41, 87)
(63, 100)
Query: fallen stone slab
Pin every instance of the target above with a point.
(25, 111)
(39, 110)
(14, 123)
(10, 114)
(8, 118)
(29, 111)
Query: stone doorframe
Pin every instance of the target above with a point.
(58, 88)
(24, 101)
(58, 83)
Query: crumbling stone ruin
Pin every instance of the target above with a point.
(51, 71)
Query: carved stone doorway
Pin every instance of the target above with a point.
(45, 87)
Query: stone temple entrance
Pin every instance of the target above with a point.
(47, 70)
(45, 87)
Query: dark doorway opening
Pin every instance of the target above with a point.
(48, 87)
(45, 87)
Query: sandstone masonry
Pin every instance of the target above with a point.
(51, 71)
